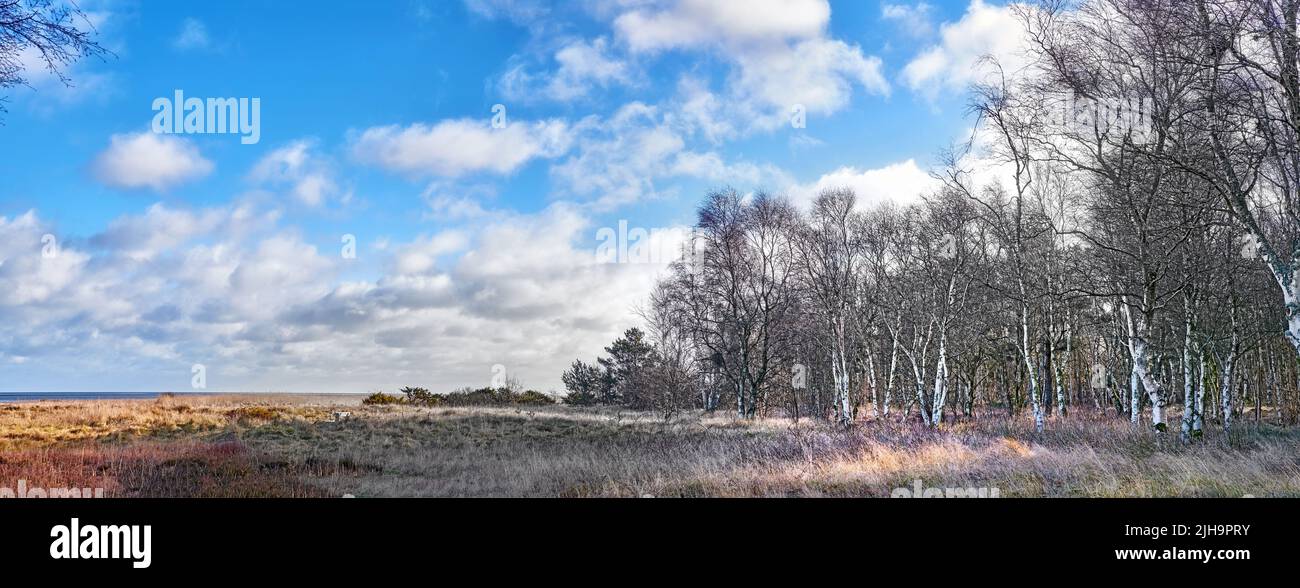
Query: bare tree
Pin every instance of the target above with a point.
(829, 260)
(56, 33)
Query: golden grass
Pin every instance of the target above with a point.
(40, 424)
(290, 446)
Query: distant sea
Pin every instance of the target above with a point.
(31, 396)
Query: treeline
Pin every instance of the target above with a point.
(636, 373)
(462, 397)
(1121, 234)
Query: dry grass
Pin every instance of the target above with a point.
(281, 446)
(43, 424)
(177, 469)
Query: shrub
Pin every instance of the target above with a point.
(479, 397)
(580, 399)
(472, 397)
(254, 413)
(585, 383)
(533, 397)
(380, 398)
(421, 397)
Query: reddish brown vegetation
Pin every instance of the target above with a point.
(156, 469)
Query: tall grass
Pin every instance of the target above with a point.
(241, 446)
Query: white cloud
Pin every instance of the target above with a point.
(583, 64)
(817, 74)
(625, 158)
(694, 23)
(453, 148)
(781, 55)
(310, 179)
(702, 111)
(619, 166)
(449, 202)
(421, 255)
(954, 63)
(913, 19)
(144, 237)
(148, 160)
(581, 67)
(26, 275)
(263, 309)
(193, 35)
(778, 56)
(711, 166)
(901, 183)
(519, 11)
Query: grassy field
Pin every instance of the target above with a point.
(291, 446)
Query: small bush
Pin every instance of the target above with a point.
(479, 397)
(421, 397)
(379, 398)
(533, 397)
(254, 413)
(580, 399)
(473, 397)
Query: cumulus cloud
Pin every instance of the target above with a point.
(781, 55)
(817, 74)
(953, 63)
(692, 23)
(623, 159)
(148, 160)
(453, 148)
(263, 309)
(145, 236)
(420, 256)
(778, 55)
(27, 274)
(903, 182)
(152, 287)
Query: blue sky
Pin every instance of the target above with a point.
(474, 244)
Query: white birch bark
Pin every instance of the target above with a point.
(893, 366)
(1029, 362)
(940, 382)
(1059, 366)
(871, 381)
(1142, 370)
(1189, 394)
(840, 375)
(1199, 406)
